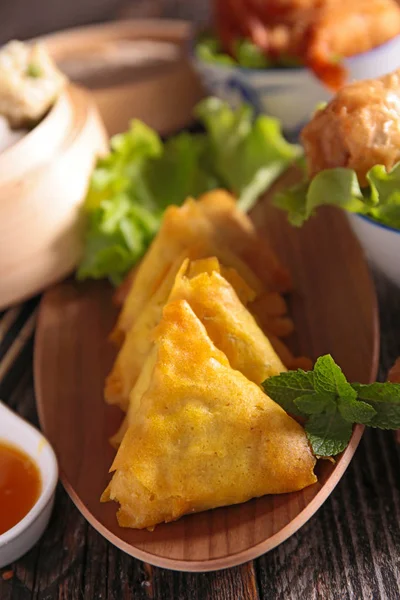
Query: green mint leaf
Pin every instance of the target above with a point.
(329, 378)
(331, 405)
(285, 388)
(314, 404)
(356, 411)
(328, 434)
(384, 398)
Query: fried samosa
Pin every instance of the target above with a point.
(228, 323)
(138, 341)
(219, 304)
(203, 435)
(213, 220)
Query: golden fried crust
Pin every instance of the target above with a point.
(214, 221)
(234, 229)
(318, 32)
(343, 29)
(358, 129)
(219, 305)
(137, 343)
(229, 324)
(203, 436)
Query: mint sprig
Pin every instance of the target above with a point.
(331, 405)
(385, 400)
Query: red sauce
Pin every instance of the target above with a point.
(20, 485)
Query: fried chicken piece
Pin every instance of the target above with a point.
(278, 27)
(317, 32)
(358, 129)
(343, 29)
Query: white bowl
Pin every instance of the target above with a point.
(20, 538)
(290, 94)
(381, 244)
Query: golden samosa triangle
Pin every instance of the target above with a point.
(203, 435)
(231, 327)
(220, 306)
(213, 220)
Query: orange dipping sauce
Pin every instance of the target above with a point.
(20, 485)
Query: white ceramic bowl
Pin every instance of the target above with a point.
(290, 94)
(20, 538)
(381, 245)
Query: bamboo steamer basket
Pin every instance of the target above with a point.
(131, 69)
(43, 180)
(136, 68)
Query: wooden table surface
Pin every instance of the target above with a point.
(349, 550)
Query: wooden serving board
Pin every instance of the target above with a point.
(334, 309)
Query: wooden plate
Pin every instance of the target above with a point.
(334, 308)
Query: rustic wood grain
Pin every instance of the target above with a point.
(333, 557)
(340, 554)
(73, 357)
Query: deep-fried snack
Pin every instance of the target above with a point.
(203, 435)
(317, 32)
(213, 221)
(344, 29)
(218, 296)
(358, 129)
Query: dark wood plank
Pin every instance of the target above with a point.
(238, 583)
(62, 554)
(349, 550)
(129, 578)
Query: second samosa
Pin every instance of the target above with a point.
(203, 435)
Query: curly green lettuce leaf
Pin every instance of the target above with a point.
(209, 50)
(132, 186)
(115, 172)
(128, 193)
(380, 200)
(246, 54)
(247, 154)
(118, 232)
(250, 56)
(181, 171)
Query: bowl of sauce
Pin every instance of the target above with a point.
(28, 478)
(20, 485)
